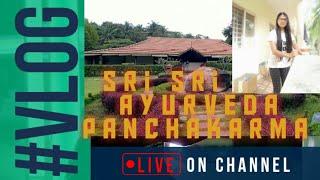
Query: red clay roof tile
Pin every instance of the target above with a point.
(170, 47)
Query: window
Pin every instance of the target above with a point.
(243, 25)
(237, 25)
(249, 25)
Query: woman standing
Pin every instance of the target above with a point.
(283, 49)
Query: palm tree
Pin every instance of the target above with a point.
(155, 29)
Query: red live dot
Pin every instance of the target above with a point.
(130, 164)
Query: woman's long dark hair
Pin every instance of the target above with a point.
(287, 31)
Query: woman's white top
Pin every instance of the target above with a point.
(273, 61)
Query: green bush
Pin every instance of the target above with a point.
(222, 66)
(173, 63)
(164, 75)
(292, 100)
(315, 130)
(127, 64)
(162, 88)
(115, 43)
(91, 98)
(97, 70)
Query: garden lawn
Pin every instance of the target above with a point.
(93, 85)
(95, 109)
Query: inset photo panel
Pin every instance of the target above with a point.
(147, 49)
(276, 45)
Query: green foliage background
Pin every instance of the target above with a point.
(113, 35)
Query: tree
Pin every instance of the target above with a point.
(189, 35)
(200, 36)
(91, 36)
(138, 33)
(174, 34)
(114, 43)
(111, 35)
(156, 30)
(227, 32)
(128, 29)
(109, 30)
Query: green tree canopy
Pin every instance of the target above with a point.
(227, 32)
(114, 43)
(111, 35)
(157, 30)
(91, 36)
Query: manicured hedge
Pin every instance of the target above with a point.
(140, 84)
(162, 88)
(97, 70)
(173, 63)
(222, 66)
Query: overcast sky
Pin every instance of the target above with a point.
(206, 17)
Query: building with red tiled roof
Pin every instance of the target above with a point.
(173, 49)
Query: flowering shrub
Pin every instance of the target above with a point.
(137, 106)
(207, 79)
(120, 87)
(158, 81)
(223, 81)
(110, 101)
(141, 84)
(138, 85)
(156, 112)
